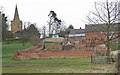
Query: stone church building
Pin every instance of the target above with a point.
(16, 23)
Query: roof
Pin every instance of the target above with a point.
(16, 15)
(93, 36)
(75, 35)
(100, 27)
(77, 31)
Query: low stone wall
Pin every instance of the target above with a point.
(115, 53)
(54, 40)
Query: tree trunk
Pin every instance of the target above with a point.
(108, 55)
(108, 49)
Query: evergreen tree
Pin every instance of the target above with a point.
(70, 27)
(32, 30)
(4, 27)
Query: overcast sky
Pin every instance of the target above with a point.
(36, 11)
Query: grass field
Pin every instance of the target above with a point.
(60, 65)
(0, 57)
(11, 48)
(114, 47)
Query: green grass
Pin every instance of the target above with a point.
(0, 57)
(60, 65)
(64, 65)
(114, 47)
(11, 48)
(50, 43)
(46, 61)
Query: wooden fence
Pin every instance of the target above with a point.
(98, 59)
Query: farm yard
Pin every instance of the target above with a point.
(51, 65)
(51, 41)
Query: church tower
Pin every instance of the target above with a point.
(16, 24)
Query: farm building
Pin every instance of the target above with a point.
(93, 35)
(77, 35)
(96, 34)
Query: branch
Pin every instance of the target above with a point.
(99, 14)
(114, 37)
(103, 41)
(90, 20)
(115, 17)
(112, 9)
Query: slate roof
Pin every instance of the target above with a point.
(16, 15)
(100, 27)
(77, 31)
(95, 28)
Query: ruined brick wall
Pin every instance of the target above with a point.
(57, 54)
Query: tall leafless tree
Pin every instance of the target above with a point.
(105, 13)
(1, 9)
(44, 31)
(63, 26)
(54, 23)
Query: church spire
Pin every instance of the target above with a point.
(16, 15)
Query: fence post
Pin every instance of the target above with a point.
(93, 59)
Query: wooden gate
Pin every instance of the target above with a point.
(98, 59)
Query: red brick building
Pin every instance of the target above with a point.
(96, 34)
(77, 35)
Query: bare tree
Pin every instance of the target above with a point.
(106, 17)
(54, 23)
(24, 37)
(1, 9)
(44, 31)
(63, 26)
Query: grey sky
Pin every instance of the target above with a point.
(36, 11)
